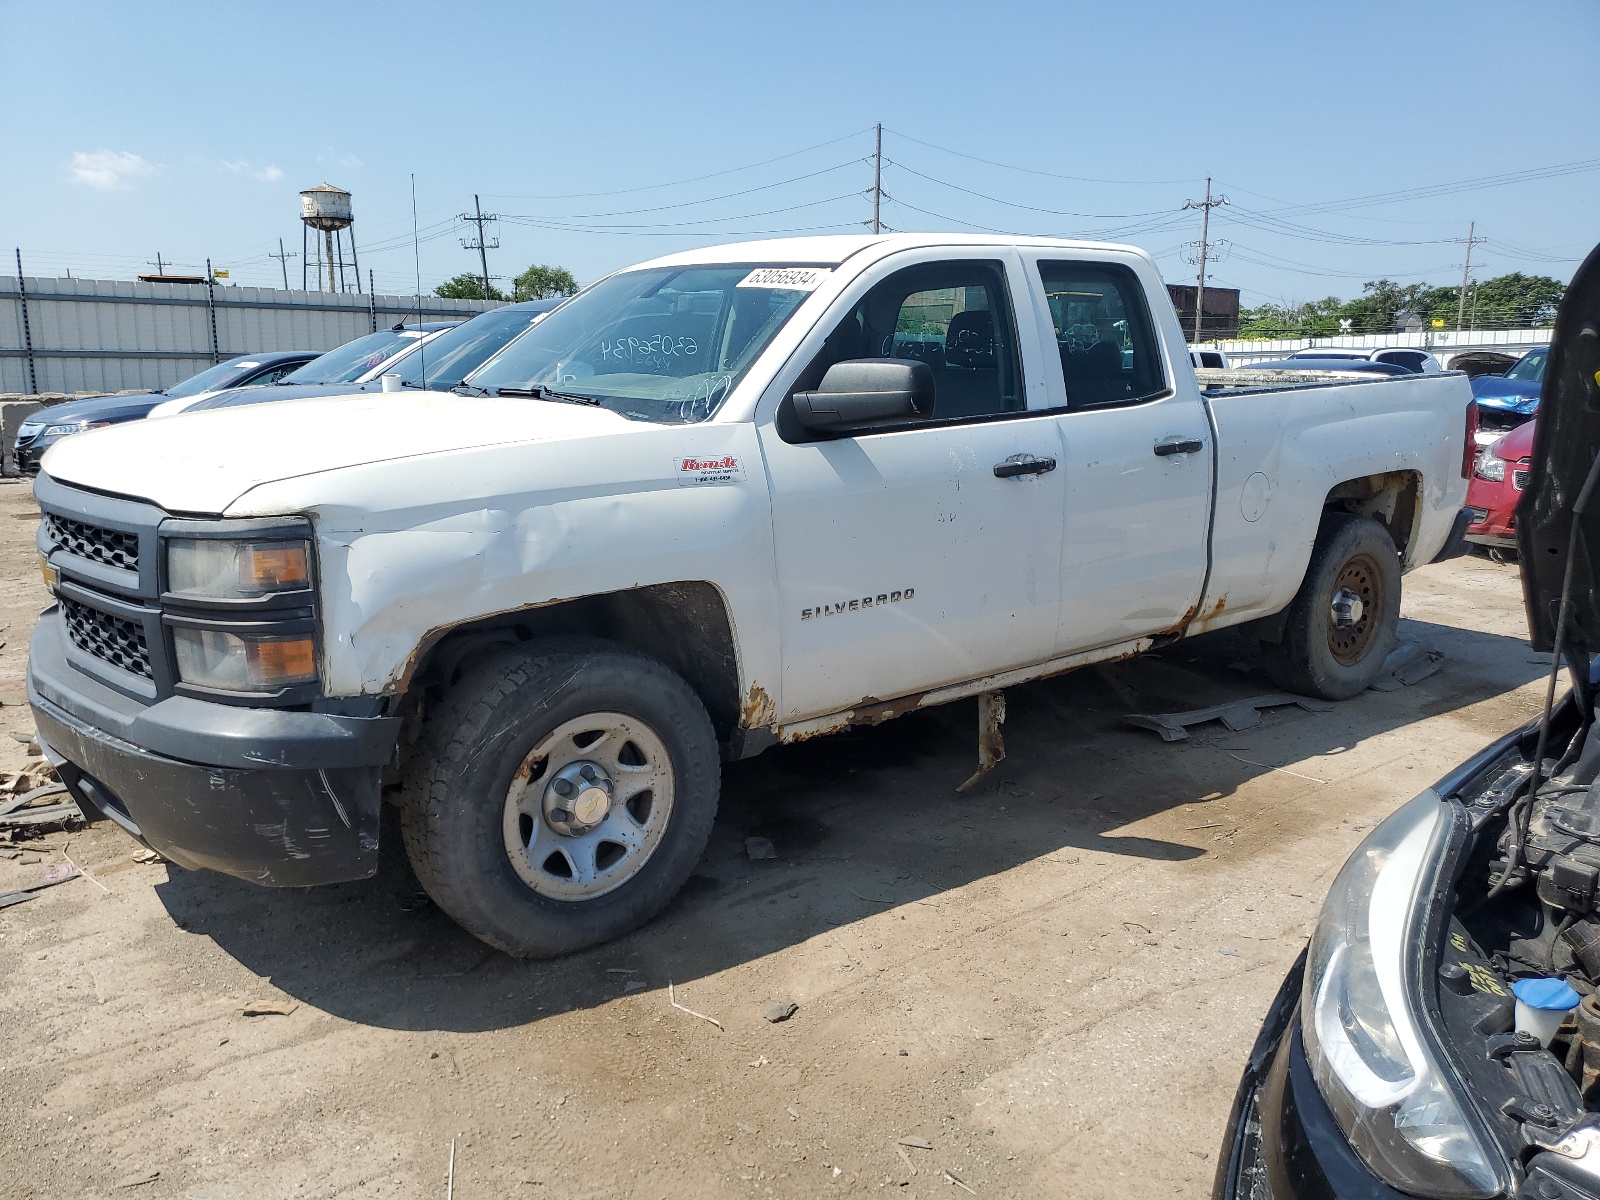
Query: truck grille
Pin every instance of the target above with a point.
(113, 547)
(110, 639)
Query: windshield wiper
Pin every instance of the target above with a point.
(543, 393)
(468, 389)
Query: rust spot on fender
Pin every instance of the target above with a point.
(1216, 609)
(759, 711)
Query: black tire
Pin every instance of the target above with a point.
(1318, 656)
(479, 738)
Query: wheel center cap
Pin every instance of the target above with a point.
(1348, 608)
(591, 805)
(577, 799)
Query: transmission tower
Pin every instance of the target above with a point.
(480, 218)
(1202, 249)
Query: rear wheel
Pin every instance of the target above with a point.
(1342, 622)
(562, 795)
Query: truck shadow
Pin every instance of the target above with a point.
(860, 823)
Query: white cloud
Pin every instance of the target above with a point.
(108, 170)
(267, 174)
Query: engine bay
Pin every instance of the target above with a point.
(1527, 907)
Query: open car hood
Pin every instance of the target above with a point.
(1564, 450)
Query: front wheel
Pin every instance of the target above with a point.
(563, 794)
(1342, 622)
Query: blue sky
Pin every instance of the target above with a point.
(606, 133)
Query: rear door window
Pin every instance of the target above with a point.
(1105, 340)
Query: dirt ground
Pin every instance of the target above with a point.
(1052, 982)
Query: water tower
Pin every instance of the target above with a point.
(326, 209)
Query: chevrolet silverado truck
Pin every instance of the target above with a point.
(723, 500)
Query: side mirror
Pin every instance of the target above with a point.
(864, 392)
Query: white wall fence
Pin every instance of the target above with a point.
(1443, 344)
(76, 335)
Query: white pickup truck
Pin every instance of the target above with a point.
(726, 499)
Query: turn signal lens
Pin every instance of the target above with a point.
(270, 568)
(281, 660)
(235, 662)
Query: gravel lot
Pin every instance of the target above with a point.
(1051, 982)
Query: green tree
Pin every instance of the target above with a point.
(1514, 300)
(539, 282)
(468, 287)
(1314, 318)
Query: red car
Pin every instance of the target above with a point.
(1497, 482)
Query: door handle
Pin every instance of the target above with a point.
(1023, 464)
(1179, 445)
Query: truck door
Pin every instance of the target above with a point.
(926, 553)
(1137, 464)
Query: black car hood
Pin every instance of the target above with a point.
(102, 408)
(1564, 448)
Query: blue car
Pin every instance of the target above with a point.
(1506, 401)
(48, 426)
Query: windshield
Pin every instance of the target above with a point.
(1531, 367)
(220, 376)
(349, 362)
(456, 353)
(665, 344)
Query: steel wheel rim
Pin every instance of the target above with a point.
(556, 843)
(1351, 641)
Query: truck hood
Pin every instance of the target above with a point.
(1566, 449)
(204, 462)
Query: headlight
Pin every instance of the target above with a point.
(1491, 468)
(1360, 1014)
(241, 662)
(217, 569)
(72, 427)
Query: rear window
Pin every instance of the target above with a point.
(1104, 337)
(349, 362)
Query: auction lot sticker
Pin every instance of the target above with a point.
(721, 468)
(789, 279)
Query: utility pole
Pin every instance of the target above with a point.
(1205, 206)
(158, 264)
(283, 261)
(877, 178)
(1461, 304)
(480, 218)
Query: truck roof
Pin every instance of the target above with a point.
(832, 249)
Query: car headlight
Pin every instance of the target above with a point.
(66, 427)
(1361, 1014)
(244, 662)
(1491, 468)
(220, 569)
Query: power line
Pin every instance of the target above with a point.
(989, 162)
(680, 182)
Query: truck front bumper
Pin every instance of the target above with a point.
(281, 798)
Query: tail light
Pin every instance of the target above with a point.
(1469, 449)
